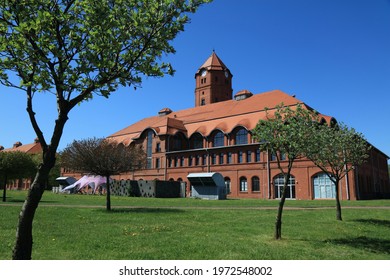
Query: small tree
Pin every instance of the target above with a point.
(282, 133)
(15, 165)
(104, 158)
(336, 151)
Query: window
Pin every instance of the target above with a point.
(248, 156)
(273, 156)
(243, 184)
(213, 158)
(324, 188)
(204, 159)
(240, 157)
(190, 160)
(255, 184)
(242, 137)
(202, 102)
(158, 147)
(157, 163)
(257, 156)
(227, 184)
(221, 155)
(175, 161)
(197, 141)
(218, 140)
(149, 144)
(229, 157)
(181, 161)
(177, 143)
(197, 160)
(279, 183)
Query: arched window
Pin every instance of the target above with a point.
(149, 145)
(242, 136)
(255, 184)
(323, 187)
(197, 141)
(243, 184)
(178, 142)
(227, 184)
(218, 140)
(279, 183)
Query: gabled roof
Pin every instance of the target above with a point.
(225, 116)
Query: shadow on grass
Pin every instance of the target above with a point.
(374, 245)
(375, 222)
(15, 200)
(141, 210)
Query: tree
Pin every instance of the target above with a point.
(104, 158)
(54, 173)
(336, 150)
(76, 49)
(282, 134)
(15, 165)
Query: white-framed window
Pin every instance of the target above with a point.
(279, 184)
(243, 184)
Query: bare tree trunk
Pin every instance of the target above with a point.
(5, 189)
(108, 195)
(278, 223)
(338, 204)
(24, 239)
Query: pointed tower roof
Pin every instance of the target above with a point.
(213, 62)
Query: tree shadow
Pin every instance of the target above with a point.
(375, 222)
(141, 210)
(14, 200)
(374, 245)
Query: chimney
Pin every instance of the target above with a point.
(17, 144)
(164, 112)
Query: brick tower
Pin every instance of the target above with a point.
(213, 82)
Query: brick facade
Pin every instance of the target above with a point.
(215, 136)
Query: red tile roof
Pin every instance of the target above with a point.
(224, 116)
(32, 148)
(213, 62)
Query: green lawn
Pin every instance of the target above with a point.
(197, 229)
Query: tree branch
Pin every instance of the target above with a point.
(33, 120)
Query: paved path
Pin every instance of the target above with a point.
(202, 207)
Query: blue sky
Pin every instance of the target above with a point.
(334, 55)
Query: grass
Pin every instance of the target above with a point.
(197, 229)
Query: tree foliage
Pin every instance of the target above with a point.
(283, 134)
(76, 49)
(102, 157)
(336, 150)
(15, 165)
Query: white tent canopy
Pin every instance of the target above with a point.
(88, 180)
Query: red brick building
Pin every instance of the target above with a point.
(215, 136)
